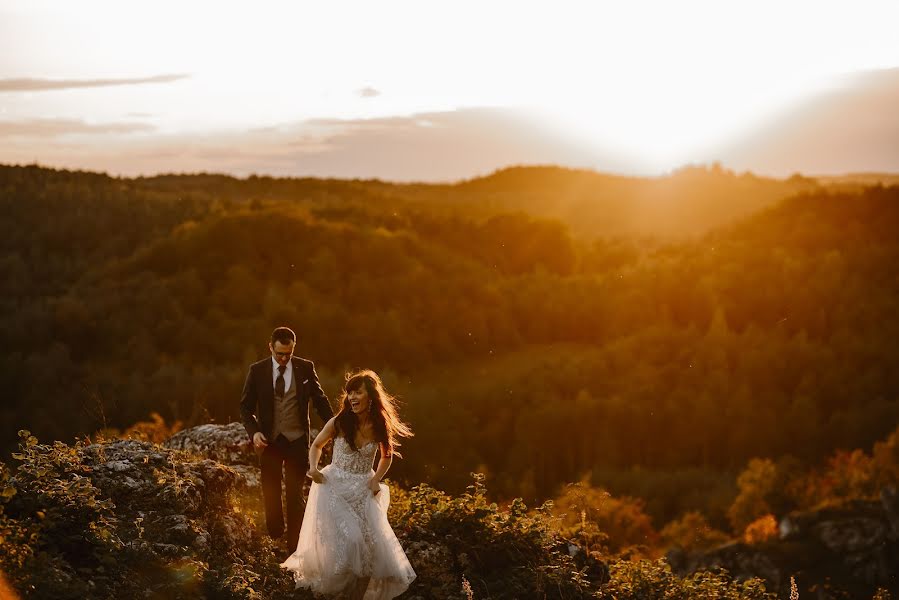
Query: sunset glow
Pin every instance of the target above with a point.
(642, 87)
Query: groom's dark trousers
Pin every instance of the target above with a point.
(257, 410)
(295, 458)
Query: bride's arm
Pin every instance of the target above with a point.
(315, 450)
(383, 464)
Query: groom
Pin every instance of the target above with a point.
(274, 407)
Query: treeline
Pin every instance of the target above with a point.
(768, 492)
(530, 352)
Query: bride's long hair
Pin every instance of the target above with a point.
(387, 425)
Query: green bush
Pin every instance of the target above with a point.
(645, 580)
(70, 532)
(128, 518)
(503, 553)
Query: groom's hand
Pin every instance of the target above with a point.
(259, 440)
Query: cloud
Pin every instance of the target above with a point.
(438, 146)
(851, 129)
(42, 85)
(368, 92)
(48, 128)
(854, 129)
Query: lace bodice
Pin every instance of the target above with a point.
(359, 461)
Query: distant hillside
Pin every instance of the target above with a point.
(858, 180)
(688, 202)
(591, 204)
(657, 362)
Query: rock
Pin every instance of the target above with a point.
(741, 560)
(250, 477)
(227, 444)
(854, 543)
(118, 466)
(168, 550)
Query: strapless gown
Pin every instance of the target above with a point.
(345, 535)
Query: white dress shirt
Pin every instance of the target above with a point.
(288, 373)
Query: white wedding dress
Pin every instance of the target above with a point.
(345, 534)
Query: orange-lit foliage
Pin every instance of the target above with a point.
(756, 483)
(849, 474)
(692, 532)
(761, 530)
(604, 522)
(155, 430)
(769, 487)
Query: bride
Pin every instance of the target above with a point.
(346, 545)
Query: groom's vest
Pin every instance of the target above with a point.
(287, 413)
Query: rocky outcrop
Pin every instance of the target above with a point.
(227, 444)
(859, 534)
(740, 560)
(852, 546)
(171, 498)
(132, 519)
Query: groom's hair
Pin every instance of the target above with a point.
(285, 335)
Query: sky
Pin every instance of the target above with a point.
(438, 91)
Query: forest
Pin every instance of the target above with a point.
(542, 326)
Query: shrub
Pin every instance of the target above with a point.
(125, 519)
(603, 522)
(761, 530)
(692, 532)
(756, 483)
(502, 553)
(645, 579)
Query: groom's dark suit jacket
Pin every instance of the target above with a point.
(257, 402)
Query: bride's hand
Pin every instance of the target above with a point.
(315, 475)
(374, 485)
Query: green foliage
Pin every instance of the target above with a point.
(75, 527)
(54, 514)
(68, 534)
(530, 304)
(515, 553)
(503, 553)
(643, 580)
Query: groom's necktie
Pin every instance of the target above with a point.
(279, 382)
